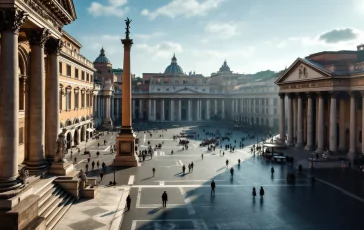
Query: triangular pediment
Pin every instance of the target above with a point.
(303, 70)
(186, 90)
(69, 7)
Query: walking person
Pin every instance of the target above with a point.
(93, 165)
(192, 166)
(164, 199)
(98, 165)
(128, 202)
(75, 160)
(261, 192)
(202, 156)
(213, 187)
(227, 163)
(272, 171)
(153, 170)
(101, 175)
(254, 193)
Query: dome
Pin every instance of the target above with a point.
(102, 58)
(173, 68)
(225, 67)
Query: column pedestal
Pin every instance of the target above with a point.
(125, 149)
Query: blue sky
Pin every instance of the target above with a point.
(252, 35)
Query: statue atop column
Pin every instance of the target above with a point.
(61, 147)
(127, 22)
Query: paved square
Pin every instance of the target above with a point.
(88, 224)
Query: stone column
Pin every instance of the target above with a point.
(215, 107)
(98, 106)
(13, 18)
(321, 124)
(290, 119)
(171, 107)
(207, 109)
(52, 124)
(294, 118)
(112, 108)
(299, 121)
(198, 110)
(232, 109)
(36, 161)
(352, 141)
(223, 109)
(162, 110)
(282, 136)
(309, 145)
(154, 110)
(108, 110)
(189, 110)
(133, 109)
(149, 109)
(179, 109)
(333, 119)
(141, 109)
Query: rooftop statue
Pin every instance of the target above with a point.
(127, 22)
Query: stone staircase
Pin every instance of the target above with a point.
(53, 204)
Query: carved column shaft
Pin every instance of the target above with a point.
(11, 20)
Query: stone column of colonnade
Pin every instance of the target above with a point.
(9, 94)
(162, 110)
(352, 129)
(154, 110)
(140, 109)
(207, 109)
(189, 110)
(290, 119)
(36, 161)
(53, 48)
(171, 116)
(223, 109)
(149, 110)
(282, 111)
(98, 106)
(333, 119)
(232, 109)
(215, 107)
(179, 110)
(321, 124)
(108, 108)
(309, 145)
(299, 121)
(198, 108)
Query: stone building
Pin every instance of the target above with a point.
(76, 76)
(323, 98)
(31, 41)
(177, 96)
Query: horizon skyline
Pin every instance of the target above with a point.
(251, 35)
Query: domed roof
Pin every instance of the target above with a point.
(102, 58)
(173, 68)
(225, 67)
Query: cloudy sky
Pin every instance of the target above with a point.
(252, 35)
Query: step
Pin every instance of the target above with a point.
(58, 209)
(45, 190)
(54, 204)
(46, 195)
(53, 223)
(53, 196)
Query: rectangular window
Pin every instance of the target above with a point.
(68, 100)
(82, 76)
(76, 99)
(60, 68)
(21, 135)
(87, 100)
(76, 73)
(60, 100)
(87, 77)
(91, 78)
(68, 71)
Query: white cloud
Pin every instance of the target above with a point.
(149, 36)
(163, 49)
(243, 52)
(224, 30)
(185, 8)
(113, 8)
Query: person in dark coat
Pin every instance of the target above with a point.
(128, 202)
(164, 199)
(261, 192)
(213, 187)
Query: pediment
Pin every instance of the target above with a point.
(302, 70)
(69, 7)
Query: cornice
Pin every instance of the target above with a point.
(69, 57)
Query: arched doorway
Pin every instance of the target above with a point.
(69, 140)
(76, 137)
(83, 133)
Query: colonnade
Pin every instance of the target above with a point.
(41, 131)
(323, 121)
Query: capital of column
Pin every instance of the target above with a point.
(12, 19)
(127, 44)
(353, 93)
(290, 95)
(333, 94)
(281, 95)
(320, 94)
(37, 36)
(310, 94)
(54, 46)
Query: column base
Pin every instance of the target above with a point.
(299, 145)
(107, 124)
(8, 184)
(309, 147)
(320, 151)
(61, 169)
(125, 148)
(36, 167)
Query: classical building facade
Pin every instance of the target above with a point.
(76, 92)
(176, 96)
(322, 95)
